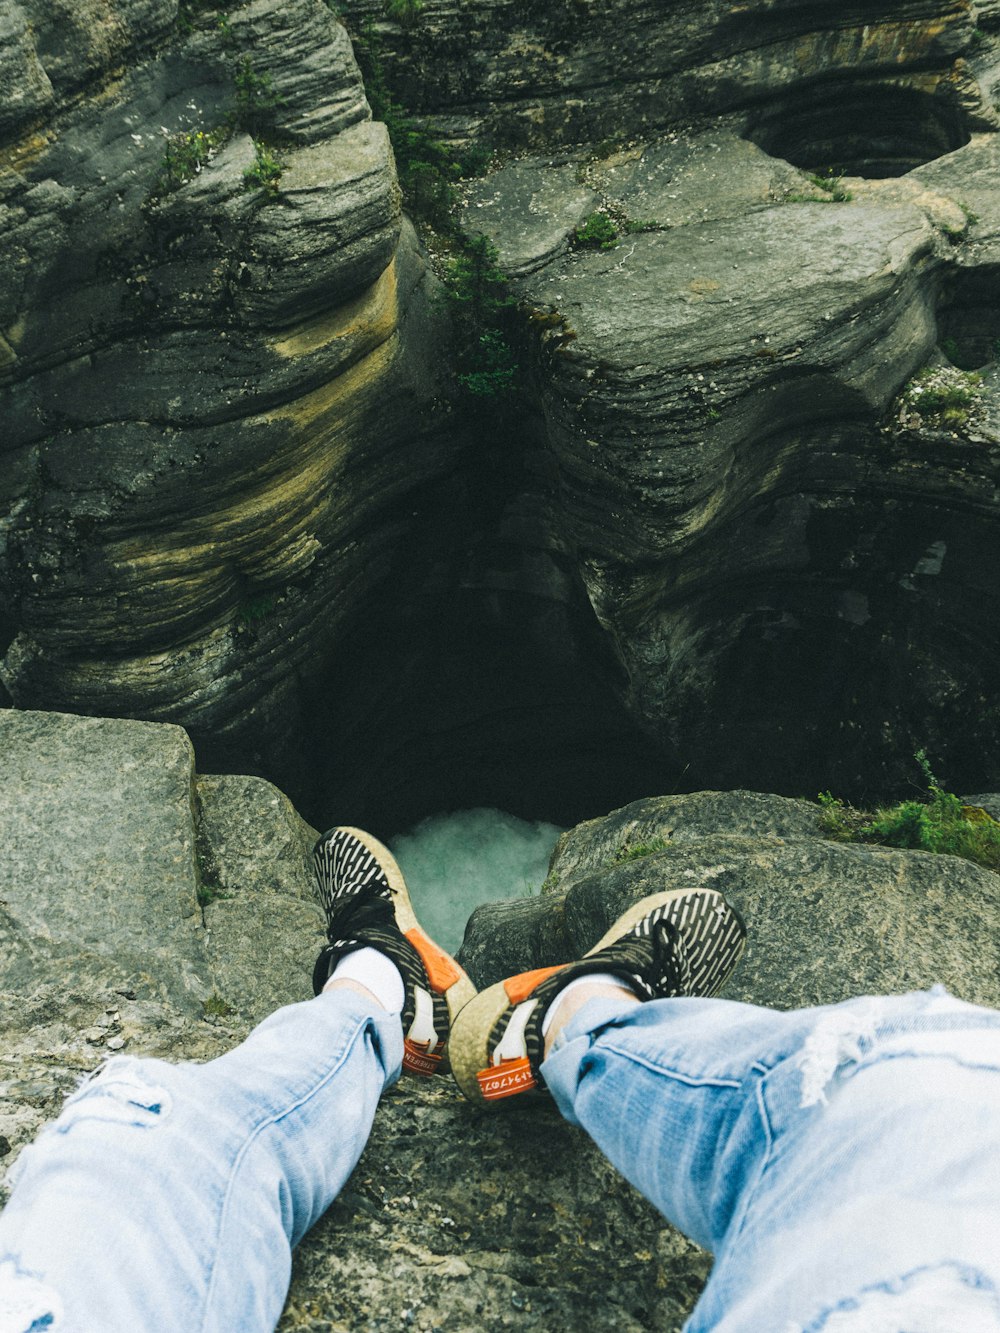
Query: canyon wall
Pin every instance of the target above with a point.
(239, 490)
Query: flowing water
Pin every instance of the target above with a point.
(454, 862)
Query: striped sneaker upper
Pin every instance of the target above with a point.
(686, 946)
(426, 1022)
(367, 906)
(346, 872)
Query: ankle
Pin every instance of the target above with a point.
(570, 1001)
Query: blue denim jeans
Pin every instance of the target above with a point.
(842, 1164)
(167, 1198)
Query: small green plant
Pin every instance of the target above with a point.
(256, 96)
(482, 309)
(939, 823)
(941, 397)
(255, 610)
(404, 12)
(830, 189)
(185, 155)
(634, 851)
(210, 889)
(265, 172)
(831, 182)
(951, 349)
(597, 232)
(635, 226)
(474, 159)
(216, 1007)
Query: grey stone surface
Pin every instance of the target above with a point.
(99, 851)
(542, 201)
(826, 920)
(568, 72)
(263, 924)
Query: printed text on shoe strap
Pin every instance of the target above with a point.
(506, 1079)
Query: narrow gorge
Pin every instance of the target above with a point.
(702, 543)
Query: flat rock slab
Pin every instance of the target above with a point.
(99, 850)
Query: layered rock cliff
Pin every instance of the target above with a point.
(211, 419)
(699, 547)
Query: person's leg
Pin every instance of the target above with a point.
(168, 1197)
(842, 1164)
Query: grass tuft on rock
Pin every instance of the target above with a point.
(938, 823)
(635, 851)
(942, 398)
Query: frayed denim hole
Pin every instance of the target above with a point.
(938, 1298)
(27, 1304)
(117, 1094)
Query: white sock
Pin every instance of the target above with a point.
(376, 972)
(605, 978)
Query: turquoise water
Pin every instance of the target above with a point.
(454, 862)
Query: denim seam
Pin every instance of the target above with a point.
(251, 1139)
(737, 1223)
(690, 1079)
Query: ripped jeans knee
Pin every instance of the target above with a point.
(27, 1305)
(123, 1092)
(126, 1094)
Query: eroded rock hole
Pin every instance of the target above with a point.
(969, 320)
(859, 129)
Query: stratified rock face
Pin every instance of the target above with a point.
(699, 549)
(577, 70)
(205, 395)
(799, 593)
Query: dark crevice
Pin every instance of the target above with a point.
(858, 127)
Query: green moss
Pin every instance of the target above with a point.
(942, 396)
(939, 823)
(597, 232)
(404, 12)
(216, 1007)
(634, 851)
(255, 610)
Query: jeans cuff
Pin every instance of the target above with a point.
(562, 1070)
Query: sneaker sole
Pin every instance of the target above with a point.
(721, 939)
(438, 962)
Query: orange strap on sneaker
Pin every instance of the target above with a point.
(506, 1079)
(520, 987)
(417, 1059)
(442, 970)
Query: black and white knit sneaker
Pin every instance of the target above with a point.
(367, 905)
(683, 942)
